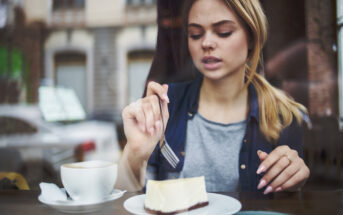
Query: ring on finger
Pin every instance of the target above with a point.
(288, 158)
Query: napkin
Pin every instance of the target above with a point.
(51, 192)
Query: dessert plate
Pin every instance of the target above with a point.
(71, 206)
(218, 204)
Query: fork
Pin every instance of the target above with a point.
(167, 152)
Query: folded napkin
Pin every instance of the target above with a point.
(51, 192)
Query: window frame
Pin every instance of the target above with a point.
(340, 59)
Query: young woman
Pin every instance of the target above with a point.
(230, 124)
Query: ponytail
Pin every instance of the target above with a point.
(276, 109)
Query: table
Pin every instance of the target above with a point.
(15, 202)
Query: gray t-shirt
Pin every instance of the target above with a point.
(212, 150)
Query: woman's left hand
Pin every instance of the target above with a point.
(284, 170)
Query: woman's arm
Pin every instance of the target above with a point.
(143, 129)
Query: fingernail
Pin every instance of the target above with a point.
(165, 97)
(260, 169)
(268, 190)
(261, 184)
(278, 189)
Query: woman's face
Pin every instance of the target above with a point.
(217, 41)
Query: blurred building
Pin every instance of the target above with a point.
(102, 49)
(20, 54)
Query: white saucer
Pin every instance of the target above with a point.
(218, 204)
(71, 206)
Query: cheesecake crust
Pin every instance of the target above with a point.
(203, 204)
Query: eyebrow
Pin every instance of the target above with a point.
(214, 24)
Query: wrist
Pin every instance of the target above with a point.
(134, 155)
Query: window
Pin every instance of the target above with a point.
(3, 14)
(340, 58)
(139, 67)
(68, 5)
(68, 13)
(141, 2)
(71, 66)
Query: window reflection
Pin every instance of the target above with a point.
(106, 51)
(98, 51)
(141, 2)
(68, 4)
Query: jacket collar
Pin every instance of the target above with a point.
(194, 100)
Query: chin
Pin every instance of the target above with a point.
(216, 75)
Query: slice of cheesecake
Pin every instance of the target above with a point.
(175, 195)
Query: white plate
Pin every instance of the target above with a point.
(218, 204)
(71, 206)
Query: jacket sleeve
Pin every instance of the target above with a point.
(293, 137)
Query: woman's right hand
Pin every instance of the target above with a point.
(143, 123)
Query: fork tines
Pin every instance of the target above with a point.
(169, 154)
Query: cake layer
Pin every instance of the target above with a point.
(171, 196)
(175, 212)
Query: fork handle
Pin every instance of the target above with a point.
(160, 105)
(162, 142)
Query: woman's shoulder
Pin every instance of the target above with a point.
(183, 95)
(180, 89)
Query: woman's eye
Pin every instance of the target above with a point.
(225, 34)
(195, 36)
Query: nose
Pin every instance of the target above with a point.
(208, 42)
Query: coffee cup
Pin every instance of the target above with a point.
(89, 181)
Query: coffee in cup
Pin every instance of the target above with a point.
(89, 181)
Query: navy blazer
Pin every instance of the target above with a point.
(183, 104)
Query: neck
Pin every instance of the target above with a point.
(224, 100)
(222, 92)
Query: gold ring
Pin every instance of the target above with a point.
(289, 159)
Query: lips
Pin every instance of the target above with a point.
(211, 62)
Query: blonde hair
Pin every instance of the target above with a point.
(276, 109)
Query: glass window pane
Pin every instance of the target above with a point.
(79, 4)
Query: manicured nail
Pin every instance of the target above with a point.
(165, 97)
(268, 190)
(261, 184)
(278, 189)
(260, 169)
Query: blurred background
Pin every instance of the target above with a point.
(69, 67)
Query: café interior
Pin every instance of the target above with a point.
(69, 67)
